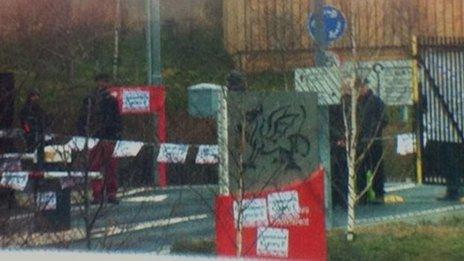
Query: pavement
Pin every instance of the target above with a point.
(152, 220)
(420, 203)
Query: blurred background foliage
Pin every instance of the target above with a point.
(57, 47)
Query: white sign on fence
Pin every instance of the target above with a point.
(78, 143)
(172, 153)
(127, 148)
(254, 212)
(272, 242)
(15, 180)
(391, 80)
(207, 154)
(135, 100)
(405, 143)
(46, 200)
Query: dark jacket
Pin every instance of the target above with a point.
(372, 118)
(99, 117)
(33, 122)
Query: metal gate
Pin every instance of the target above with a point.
(442, 114)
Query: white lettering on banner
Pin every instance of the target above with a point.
(46, 200)
(15, 180)
(207, 154)
(127, 149)
(254, 212)
(136, 100)
(284, 207)
(272, 242)
(172, 153)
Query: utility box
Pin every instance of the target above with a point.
(203, 99)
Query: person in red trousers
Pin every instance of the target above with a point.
(100, 118)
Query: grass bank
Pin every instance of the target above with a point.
(441, 239)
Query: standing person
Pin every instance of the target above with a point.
(33, 121)
(7, 98)
(236, 81)
(371, 122)
(100, 118)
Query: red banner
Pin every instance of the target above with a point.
(284, 223)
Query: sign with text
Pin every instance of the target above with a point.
(135, 101)
(139, 99)
(286, 223)
(127, 148)
(207, 154)
(172, 153)
(253, 212)
(80, 143)
(46, 200)
(16, 180)
(272, 242)
(283, 206)
(391, 80)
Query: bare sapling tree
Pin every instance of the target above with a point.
(362, 135)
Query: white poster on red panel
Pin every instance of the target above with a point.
(284, 207)
(272, 242)
(254, 212)
(135, 101)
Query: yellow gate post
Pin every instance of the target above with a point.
(415, 99)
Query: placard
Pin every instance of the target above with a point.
(127, 149)
(405, 143)
(390, 80)
(172, 153)
(135, 101)
(283, 207)
(272, 242)
(254, 212)
(15, 180)
(78, 143)
(207, 154)
(46, 200)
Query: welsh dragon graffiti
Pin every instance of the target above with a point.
(277, 134)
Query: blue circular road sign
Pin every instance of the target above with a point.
(334, 24)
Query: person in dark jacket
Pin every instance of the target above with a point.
(236, 81)
(33, 121)
(372, 120)
(7, 143)
(99, 118)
